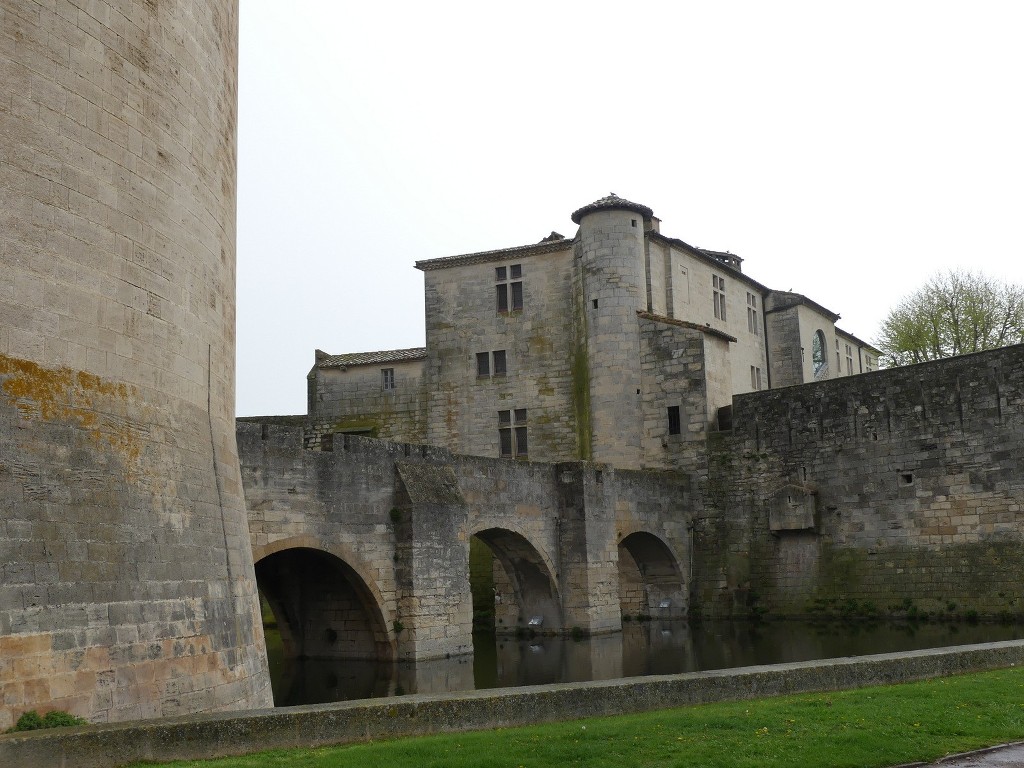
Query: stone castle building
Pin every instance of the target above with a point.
(620, 345)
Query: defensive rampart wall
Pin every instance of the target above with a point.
(898, 490)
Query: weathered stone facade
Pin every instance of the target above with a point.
(548, 351)
(894, 493)
(126, 579)
(901, 490)
(396, 520)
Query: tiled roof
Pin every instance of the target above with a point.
(369, 358)
(611, 203)
(544, 246)
(859, 342)
(709, 257)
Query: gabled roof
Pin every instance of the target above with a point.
(323, 360)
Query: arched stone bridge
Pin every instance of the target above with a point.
(363, 550)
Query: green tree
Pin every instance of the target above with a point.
(953, 313)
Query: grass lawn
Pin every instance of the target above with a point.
(867, 727)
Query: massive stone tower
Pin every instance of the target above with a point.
(126, 578)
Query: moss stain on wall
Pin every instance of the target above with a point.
(73, 397)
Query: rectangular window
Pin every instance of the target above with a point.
(490, 364)
(517, 296)
(868, 362)
(718, 283)
(674, 425)
(512, 441)
(752, 316)
(387, 379)
(755, 377)
(849, 360)
(509, 294)
(521, 447)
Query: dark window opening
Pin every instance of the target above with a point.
(632, 222)
(327, 442)
(516, 271)
(387, 379)
(517, 296)
(505, 438)
(906, 478)
(521, 449)
(499, 362)
(502, 297)
(595, 303)
(504, 417)
(674, 424)
(483, 364)
(499, 274)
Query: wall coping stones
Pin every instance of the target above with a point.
(235, 733)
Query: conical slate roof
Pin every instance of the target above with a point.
(611, 203)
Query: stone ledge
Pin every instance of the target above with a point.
(235, 733)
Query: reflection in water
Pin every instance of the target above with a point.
(651, 648)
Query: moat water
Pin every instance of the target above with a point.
(650, 648)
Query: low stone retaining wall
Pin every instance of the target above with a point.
(236, 733)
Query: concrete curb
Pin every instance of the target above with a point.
(235, 733)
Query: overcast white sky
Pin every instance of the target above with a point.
(845, 150)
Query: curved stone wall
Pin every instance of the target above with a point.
(127, 585)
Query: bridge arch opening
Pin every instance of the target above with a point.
(650, 579)
(513, 588)
(323, 608)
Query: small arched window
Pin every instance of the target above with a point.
(819, 356)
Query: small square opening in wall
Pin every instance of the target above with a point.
(632, 222)
(906, 478)
(595, 303)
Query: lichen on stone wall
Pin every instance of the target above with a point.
(81, 399)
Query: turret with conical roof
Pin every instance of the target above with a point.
(611, 276)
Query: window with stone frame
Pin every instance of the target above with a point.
(509, 288)
(753, 321)
(755, 378)
(512, 437)
(819, 356)
(718, 285)
(849, 360)
(490, 364)
(387, 379)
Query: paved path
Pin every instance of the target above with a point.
(997, 757)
